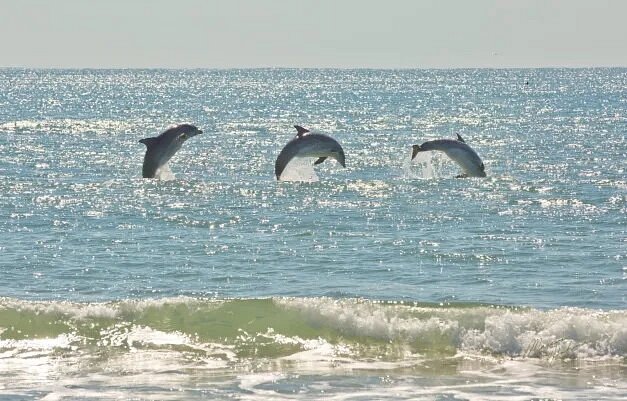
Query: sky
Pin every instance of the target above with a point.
(312, 33)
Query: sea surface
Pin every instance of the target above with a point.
(389, 279)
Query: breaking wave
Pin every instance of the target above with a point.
(287, 328)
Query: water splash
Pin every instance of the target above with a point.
(420, 167)
(300, 169)
(164, 173)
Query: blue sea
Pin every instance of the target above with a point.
(389, 279)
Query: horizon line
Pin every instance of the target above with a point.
(569, 67)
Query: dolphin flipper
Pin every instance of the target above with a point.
(320, 160)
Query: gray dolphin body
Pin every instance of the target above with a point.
(458, 151)
(160, 149)
(308, 144)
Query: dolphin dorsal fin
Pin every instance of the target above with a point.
(149, 141)
(301, 131)
(459, 138)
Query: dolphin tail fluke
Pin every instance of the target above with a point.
(415, 150)
(459, 138)
(320, 160)
(149, 141)
(301, 131)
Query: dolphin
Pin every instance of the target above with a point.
(457, 150)
(160, 149)
(309, 144)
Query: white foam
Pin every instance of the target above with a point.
(135, 336)
(38, 344)
(108, 310)
(251, 382)
(562, 333)
(75, 310)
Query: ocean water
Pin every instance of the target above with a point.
(387, 279)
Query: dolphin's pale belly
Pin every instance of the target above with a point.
(165, 156)
(468, 161)
(315, 150)
(157, 161)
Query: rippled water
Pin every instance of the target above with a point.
(544, 235)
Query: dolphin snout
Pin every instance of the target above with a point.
(341, 159)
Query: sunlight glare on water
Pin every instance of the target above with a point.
(389, 276)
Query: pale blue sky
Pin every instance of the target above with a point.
(313, 33)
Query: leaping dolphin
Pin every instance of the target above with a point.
(160, 149)
(457, 150)
(309, 144)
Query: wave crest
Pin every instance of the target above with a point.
(282, 327)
